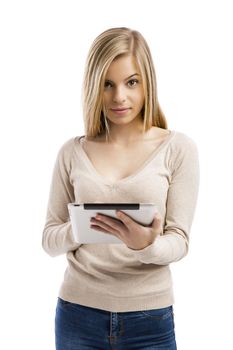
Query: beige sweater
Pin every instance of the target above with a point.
(114, 277)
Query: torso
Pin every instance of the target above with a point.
(117, 162)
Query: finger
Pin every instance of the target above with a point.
(97, 228)
(109, 230)
(110, 221)
(127, 220)
(157, 222)
(113, 228)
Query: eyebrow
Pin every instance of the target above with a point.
(132, 75)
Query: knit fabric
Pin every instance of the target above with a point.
(114, 277)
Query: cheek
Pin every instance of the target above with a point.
(139, 97)
(140, 92)
(106, 98)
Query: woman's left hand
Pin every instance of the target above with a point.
(134, 235)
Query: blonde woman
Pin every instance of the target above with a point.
(120, 296)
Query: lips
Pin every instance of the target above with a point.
(119, 109)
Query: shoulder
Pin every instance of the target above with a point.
(183, 149)
(66, 151)
(181, 138)
(182, 142)
(69, 145)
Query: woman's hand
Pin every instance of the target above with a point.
(134, 235)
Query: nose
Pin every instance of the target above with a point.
(119, 95)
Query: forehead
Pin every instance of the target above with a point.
(122, 67)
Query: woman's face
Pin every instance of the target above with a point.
(123, 96)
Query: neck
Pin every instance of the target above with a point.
(123, 135)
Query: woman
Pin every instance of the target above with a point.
(119, 296)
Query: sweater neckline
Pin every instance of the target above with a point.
(107, 181)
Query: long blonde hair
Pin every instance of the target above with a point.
(109, 45)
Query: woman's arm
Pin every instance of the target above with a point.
(172, 245)
(57, 234)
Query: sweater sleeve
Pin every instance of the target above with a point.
(172, 244)
(57, 234)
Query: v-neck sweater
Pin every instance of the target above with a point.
(113, 277)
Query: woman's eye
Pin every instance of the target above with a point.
(107, 84)
(132, 82)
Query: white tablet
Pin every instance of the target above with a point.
(81, 214)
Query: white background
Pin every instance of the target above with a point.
(43, 49)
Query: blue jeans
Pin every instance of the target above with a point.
(79, 327)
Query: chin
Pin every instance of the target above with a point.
(121, 120)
